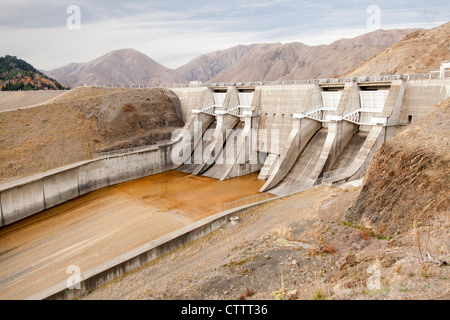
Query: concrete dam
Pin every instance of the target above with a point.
(259, 138)
(298, 136)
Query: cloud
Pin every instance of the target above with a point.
(174, 32)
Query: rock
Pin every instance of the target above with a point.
(234, 221)
(283, 243)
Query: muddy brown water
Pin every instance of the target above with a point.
(36, 252)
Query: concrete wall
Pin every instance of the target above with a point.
(28, 196)
(190, 98)
(421, 96)
(304, 129)
(277, 104)
(343, 132)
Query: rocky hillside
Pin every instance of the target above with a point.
(407, 183)
(81, 123)
(421, 51)
(17, 74)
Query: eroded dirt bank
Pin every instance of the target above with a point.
(407, 183)
(81, 123)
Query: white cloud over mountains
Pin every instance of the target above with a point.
(174, 32)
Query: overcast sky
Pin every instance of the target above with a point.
(174, 32)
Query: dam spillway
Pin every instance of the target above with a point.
(285, 137)
(99, 226)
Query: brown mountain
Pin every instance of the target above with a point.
(298, 61)
(255, 62)
(421, 51)
(121, 67)
(207, 66)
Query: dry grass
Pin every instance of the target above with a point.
(246, 293)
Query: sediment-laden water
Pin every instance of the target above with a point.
(35, 253)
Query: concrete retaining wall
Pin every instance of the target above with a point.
(22, 201)
(191, 98)
(277, 104)
(301, 134)
(421, 96)
(31, 195)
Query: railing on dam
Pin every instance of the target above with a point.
(419, 76)
(129, 150)
(249, 200)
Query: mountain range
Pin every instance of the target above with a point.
(255, 62)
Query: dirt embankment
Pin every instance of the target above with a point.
(407, 183)
(81, 123)
(11, 100)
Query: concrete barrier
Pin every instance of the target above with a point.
(22, 198)
(22, 201)
(421, 96)
(301, 134)
(60, 187)
(190, 98)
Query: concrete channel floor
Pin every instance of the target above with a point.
(36, 253)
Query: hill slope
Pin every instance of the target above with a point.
(298, 61)
(82, 122)
(421, 51)
(126, 67)
(208, 66)
(407, 181)
(17, 74)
